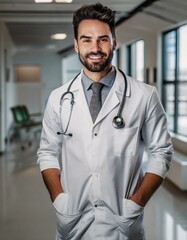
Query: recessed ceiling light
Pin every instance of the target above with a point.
(43, 1)
(58, 36)
(63, 1)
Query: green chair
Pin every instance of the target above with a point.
(23, 120)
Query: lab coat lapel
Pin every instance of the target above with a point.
(111, 102)
(114, 97)
(80, 98)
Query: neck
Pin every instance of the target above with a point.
(97, 76)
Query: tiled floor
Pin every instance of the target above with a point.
(27, 214)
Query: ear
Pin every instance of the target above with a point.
(76, 46)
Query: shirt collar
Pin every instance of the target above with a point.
(107, 80)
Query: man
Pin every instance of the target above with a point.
(100, 191)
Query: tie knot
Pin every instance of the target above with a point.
(96, 87)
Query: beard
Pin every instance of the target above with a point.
(96, 66)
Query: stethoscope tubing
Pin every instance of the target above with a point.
(124, 95)
(118, 121)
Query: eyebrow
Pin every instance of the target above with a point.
(88, 37)
(83, 36)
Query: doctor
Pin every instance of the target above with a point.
(93, 170)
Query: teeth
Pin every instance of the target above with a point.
(95, 57)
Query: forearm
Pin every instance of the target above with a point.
(52, 181)
(149, 185)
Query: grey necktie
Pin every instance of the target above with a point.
(96, 102)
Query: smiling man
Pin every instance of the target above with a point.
(100, 192)
(95, 45)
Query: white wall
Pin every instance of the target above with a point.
(6, 84)
(71, 66)
(35, 95)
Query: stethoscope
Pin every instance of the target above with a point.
(117, 122)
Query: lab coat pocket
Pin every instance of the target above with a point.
(73, 226)
(130, 223)
(67, 224)
(125, 141)
(60, 203)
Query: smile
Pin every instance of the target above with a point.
(95, 57)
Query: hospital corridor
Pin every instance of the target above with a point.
(37, 55)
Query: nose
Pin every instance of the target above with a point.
(96, 46)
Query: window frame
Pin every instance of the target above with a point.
(176, 83)
(131, 59)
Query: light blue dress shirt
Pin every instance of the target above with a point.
(107, 81)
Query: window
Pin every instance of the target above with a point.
(175, 78)
(135, 60)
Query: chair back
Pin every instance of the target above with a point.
(20, 114)
(17, 114)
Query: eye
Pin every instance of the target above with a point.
(104, 39)
(86, 40)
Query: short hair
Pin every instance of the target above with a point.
(94, 11)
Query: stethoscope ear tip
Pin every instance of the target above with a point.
(118, 122)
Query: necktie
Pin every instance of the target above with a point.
(96, 103)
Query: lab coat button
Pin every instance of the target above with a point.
(95, 205)
(95, 134)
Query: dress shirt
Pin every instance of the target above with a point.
(107, 81)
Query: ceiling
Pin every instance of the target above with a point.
(31, 24)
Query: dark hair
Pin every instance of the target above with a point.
(94, 11)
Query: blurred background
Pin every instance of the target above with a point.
(37, 55)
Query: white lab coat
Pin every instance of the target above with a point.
(101, 165)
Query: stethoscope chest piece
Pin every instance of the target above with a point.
(118, 122)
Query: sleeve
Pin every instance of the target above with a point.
(50, 143)
(156, 137)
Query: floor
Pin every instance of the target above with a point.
(27, 214)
